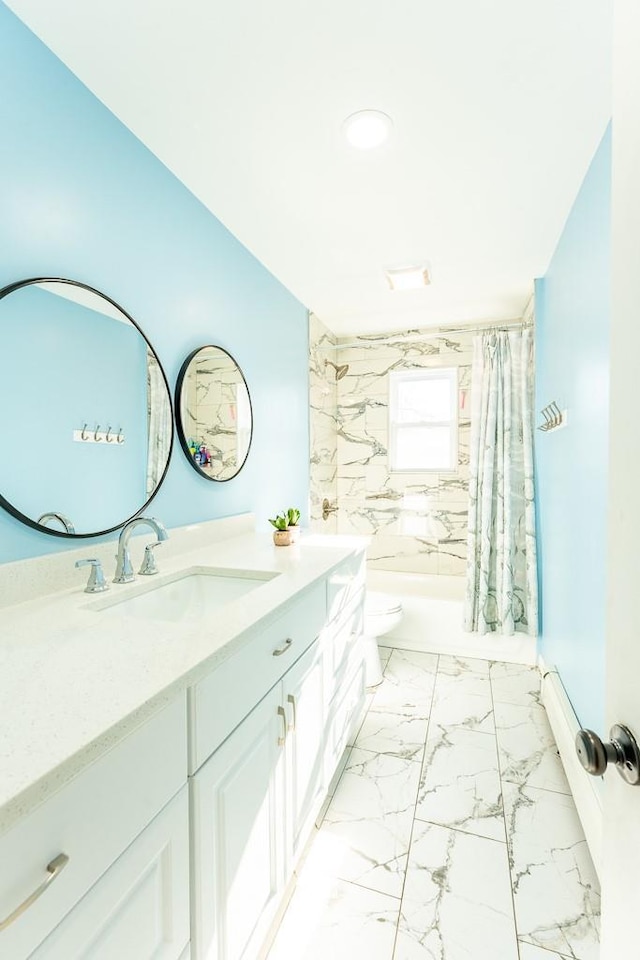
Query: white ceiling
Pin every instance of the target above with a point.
(498, 107)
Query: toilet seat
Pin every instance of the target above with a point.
(381, 605)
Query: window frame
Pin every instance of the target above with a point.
(423, 373)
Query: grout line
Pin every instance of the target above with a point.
(504, 820)
(532, 786)
(363, 886)
(413, 821)
(467, 833)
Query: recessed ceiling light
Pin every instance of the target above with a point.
(367, 129)
(408, 278)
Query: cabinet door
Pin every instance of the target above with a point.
(238, 837)
(304, 702)
(139, 909)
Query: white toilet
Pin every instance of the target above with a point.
(382, 613)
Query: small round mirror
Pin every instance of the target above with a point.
(213, 413)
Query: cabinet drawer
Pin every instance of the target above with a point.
(139, 909)
(91, 820)
(344, 584)
(222, 700)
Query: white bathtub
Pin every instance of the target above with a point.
(433, 616)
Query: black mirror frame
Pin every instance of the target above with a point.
(11, 288)
(178, 412)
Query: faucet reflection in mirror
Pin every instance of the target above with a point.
(213, 412)
(60, 517)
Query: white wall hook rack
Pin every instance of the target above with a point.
(554, 417)
(98, 435)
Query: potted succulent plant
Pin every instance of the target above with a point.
(293, 518)
(281, 534)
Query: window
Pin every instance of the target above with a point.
(423, 419)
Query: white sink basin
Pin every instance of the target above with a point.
(189, 596)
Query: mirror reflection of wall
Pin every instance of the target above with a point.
(72, 364)
(214, 413)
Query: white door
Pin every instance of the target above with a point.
(621, 866)
(238, 848)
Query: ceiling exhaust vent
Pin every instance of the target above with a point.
(408, 278)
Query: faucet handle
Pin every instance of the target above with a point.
(149, 566)
(96, 582)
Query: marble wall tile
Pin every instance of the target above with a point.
(323, 399)
(403, 554)
(555, 887)
(362, 415)
(452, 489)
(456, 903)
(452, 558)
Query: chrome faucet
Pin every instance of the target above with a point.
(96, 582)
(66, 523)
(124, 570)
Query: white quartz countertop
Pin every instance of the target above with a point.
(74, 681)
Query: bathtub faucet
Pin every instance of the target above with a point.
(327, 509)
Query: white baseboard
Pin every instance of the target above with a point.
(586, 790)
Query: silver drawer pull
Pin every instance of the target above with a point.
(281, 650)
(283, 717)
(54, 869)
(292, 700)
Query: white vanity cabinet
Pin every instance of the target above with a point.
(140, 907)
(238, 857)
(176, 839)
(126, 840)
(255, 800)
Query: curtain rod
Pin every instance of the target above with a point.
(442, 332)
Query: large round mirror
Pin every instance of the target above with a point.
(86, 425)
(213, 413)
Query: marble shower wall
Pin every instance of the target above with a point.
(418, 521)
(323, 400)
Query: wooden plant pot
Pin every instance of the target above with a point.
(282, 538)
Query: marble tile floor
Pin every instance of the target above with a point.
(452, 833)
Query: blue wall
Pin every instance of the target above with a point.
(81, 197)
(57, 360)
(573, 310)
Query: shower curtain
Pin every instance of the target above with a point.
(502, 592)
